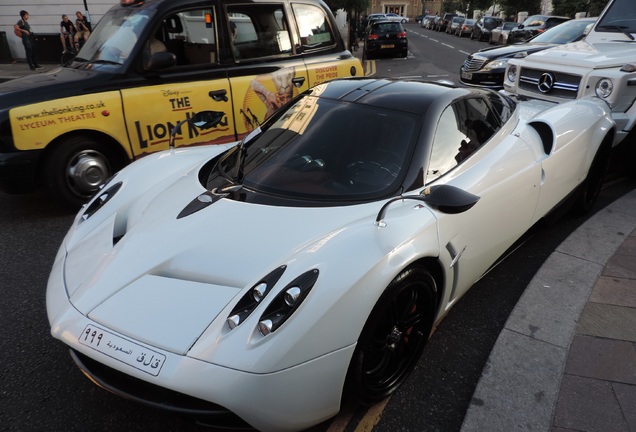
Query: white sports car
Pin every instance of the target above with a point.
(265, 280)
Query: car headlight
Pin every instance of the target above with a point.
(286, 302)
(511, 73)
(103, 196)
(253, 297)
(604, 88)
(496, 64)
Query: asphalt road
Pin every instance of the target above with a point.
(41, 389)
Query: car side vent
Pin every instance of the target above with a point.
(546, 134)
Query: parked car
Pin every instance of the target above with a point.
(432, 23)
(499, 35)
(385, 38)
(70, 130)
(398, 18)
(466, 27)
(419, 18)
(486, 67)
(428, 20)
(483, 27)
(452, 27)
(171, 291)
(532, 26)
(601, 65)
(443, 22)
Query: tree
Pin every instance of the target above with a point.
(571, 7)
(512, 7)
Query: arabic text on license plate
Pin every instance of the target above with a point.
(121, 349)
(387, 46)
(467, 75)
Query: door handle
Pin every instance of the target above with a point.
(219, 95)
(298, 82)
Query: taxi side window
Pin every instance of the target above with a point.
(191, 36)
(313, 24)
(258, 30)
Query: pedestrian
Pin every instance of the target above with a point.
(67, 31)
(82, 27)
(28, 39)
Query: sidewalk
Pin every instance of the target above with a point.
(566, 358)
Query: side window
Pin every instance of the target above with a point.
(191, 36)
(447, 149)
(259, 30)
(463, 127)
(313, 25)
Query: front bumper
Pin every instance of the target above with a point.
(491, 79)
(285, 400)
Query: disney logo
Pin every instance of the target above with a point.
(167, 93)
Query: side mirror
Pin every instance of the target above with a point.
(443, 198)
(201, 120)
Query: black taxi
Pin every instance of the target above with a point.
(147, 66)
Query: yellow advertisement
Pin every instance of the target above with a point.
(153, 112)
(320, 73)
(34, 126)
(264, 94)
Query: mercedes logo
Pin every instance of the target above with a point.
(546, 82)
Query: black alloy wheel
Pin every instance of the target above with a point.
(393, 337)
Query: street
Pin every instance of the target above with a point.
(42, 389)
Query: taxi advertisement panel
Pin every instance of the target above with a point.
(34, 126)
(153, 112)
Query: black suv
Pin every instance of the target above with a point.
(483, 27)
(532, 26)
(445, 21)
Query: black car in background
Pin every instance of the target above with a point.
(444, 21)
(384, 38)
(483, 27)
(532, 26)
(486, 67)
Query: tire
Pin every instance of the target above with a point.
(472, 35)
(393, 337)
(590, 189)
(501, 40)
(76, 168)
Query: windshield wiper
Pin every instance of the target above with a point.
(619, 28)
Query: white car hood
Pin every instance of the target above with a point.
(586, 55)
(167, 279)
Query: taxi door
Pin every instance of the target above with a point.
(197, 82)
(265, 72)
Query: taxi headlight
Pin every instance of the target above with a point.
(604, 88)
(511, 73)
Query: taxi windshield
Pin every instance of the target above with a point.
(115, 37)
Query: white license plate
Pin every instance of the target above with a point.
(387, 46)
(128, 352)
(467, 75)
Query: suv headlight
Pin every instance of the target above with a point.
(604, 88)
(511, 73)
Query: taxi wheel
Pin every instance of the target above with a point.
(76, 169)
(393, 337)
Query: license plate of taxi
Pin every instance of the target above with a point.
(467, 75)
(387, 46)
(119, 348)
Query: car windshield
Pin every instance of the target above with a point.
(619, 17)
(115, 37)
(491, 23)
(327, 150)
(569, 31)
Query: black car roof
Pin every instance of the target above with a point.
(394, 94)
